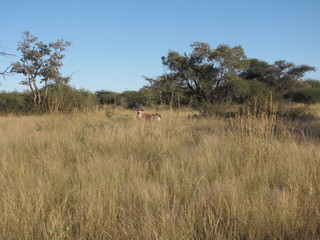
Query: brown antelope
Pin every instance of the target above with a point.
(149, 117)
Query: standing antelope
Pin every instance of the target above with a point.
(149, 117)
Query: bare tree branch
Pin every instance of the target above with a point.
(5, 72)
(6, 54)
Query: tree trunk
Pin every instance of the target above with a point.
(33, 91)
(171, 100)
(161, 103)
(38, 95)
(46, 89)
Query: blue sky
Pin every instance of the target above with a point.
(115, 43)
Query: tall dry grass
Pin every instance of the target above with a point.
(107, 175)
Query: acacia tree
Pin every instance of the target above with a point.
(282, 76)
(40, 63)
(205, 71)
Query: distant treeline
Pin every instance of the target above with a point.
(205, 79)
(63, 98)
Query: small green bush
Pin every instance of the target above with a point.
(133, 99)
(63, 98)
(305, 95)
(107, 97)
(15, 102)
(238, 90)
(259, 89)
(242, 91)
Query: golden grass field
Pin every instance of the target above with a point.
(106, 175)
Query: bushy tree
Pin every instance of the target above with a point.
(40, 63)
(203, 73)
(282, 76)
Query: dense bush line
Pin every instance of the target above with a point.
(63, 98)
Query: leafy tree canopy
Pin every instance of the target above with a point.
(40, 63)
(205, 70)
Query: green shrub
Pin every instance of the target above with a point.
(312, 83)
(293, 112)
(259, 90)
(216, 109)
(133, 99)
(305, 95)
(63, 98)
(15, 102)
(241, 91)
(107, 97)
(238, 90)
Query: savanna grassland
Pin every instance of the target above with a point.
(106, 175)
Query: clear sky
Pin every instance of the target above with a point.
(116, 42)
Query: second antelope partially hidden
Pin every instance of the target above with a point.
(149, 117)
